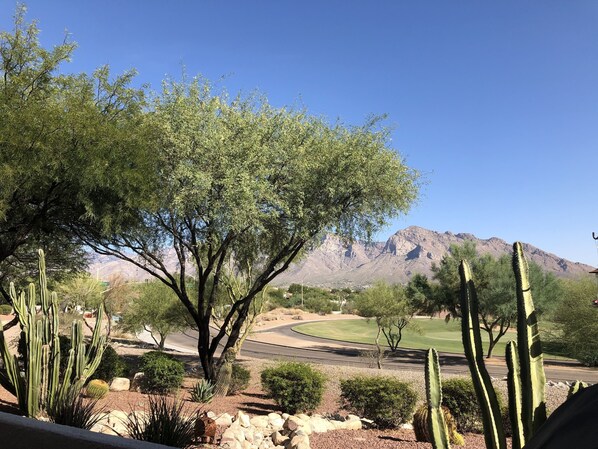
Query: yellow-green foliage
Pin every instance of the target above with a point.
(97, 389)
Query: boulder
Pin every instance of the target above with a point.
(120, 384)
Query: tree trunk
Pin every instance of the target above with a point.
(378, 348)
(225, 372)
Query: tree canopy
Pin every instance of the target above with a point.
(237, 178)
(67, 151)
(216, 180)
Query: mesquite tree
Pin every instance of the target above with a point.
(239, 181)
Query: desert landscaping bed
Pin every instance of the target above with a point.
(254, 402)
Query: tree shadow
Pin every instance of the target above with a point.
(258, 408)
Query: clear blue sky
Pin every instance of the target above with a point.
(494, 102)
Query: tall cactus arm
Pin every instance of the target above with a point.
(436, 424)
(514, 388)
(531, 359)
(472, 344)
(9, 378)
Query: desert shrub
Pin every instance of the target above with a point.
(239, 380)
(318, 304)
(112, 365)
(459, 396)
(5, 309)
(295, 387)
(164, 422)
(202, 392)
(162, 373)
(72, 410)
(386, 401)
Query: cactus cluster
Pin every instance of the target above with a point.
(37, 382)
(526, 378)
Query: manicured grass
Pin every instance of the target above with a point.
(445, 337)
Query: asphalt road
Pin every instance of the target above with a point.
(350, 354)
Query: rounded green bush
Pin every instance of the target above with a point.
(112, 365)
(162, 373)
(458, 394)
(385, 400)
(5, 309)
(239, 380)
(295, 387)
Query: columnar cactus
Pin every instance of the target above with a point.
(437, 427)
(36, 381)
(529, 347)
(494, 433)
(526, 379)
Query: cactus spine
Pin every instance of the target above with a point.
(472, 343)
(436, 424)
(39, 387)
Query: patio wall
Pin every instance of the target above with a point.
(17, 432)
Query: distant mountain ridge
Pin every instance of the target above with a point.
(335, 264)
(409, 251)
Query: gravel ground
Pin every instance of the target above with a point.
(253, 401)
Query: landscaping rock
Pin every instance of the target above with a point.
(243, 419)
(224, 420)
(261, 422)
(276, 421)
(137, 381)
(293, 423)
(120, 384)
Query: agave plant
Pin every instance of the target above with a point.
(203, 392)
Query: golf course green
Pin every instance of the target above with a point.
(423, 334)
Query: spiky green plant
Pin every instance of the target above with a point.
(422, 430)
(202, 392)
(163, 422)
(576, 387)
(71, 409)
(529, 348)
(42, 382)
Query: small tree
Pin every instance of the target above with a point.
(80, 291)
(156, 310)
(389, 306)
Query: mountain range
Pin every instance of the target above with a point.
(407, 252)
(334, 263)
